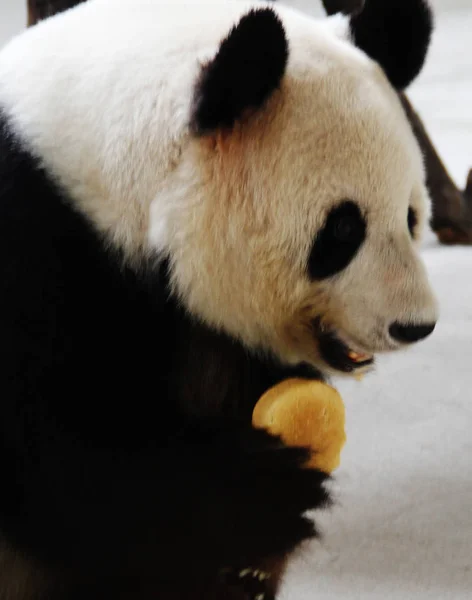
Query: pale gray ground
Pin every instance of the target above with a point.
(403, 527)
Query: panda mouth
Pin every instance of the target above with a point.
(341, 356)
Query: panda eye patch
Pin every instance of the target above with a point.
(338, 241)
(412, 221)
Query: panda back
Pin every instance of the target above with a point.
(77, 325)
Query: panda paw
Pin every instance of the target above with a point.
(270, 490)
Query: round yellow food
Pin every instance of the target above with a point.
(305, 413)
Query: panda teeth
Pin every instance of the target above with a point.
(358, 357)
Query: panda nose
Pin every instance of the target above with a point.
(408, 334)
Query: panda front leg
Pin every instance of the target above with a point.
(182, 524)
(255, 497)
(256, 522)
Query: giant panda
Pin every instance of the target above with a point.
(197, 200)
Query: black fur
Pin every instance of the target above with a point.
(412, 221)
(397, 34)
(247, 69)
(338, 241)
(348, 7)
(128, 465)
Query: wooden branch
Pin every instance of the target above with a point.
(452, 208)
(42, 9)
(348, 7)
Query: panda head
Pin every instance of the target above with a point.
(303, 188)
(264, 154)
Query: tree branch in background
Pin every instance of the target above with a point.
(452, 208)
(348, 7)
(42, 9)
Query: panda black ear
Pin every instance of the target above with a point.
(396, 34)
(247, 69)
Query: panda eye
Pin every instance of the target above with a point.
(412, 221)
(347, 229)
(338, 241)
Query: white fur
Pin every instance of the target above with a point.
(103, 95)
